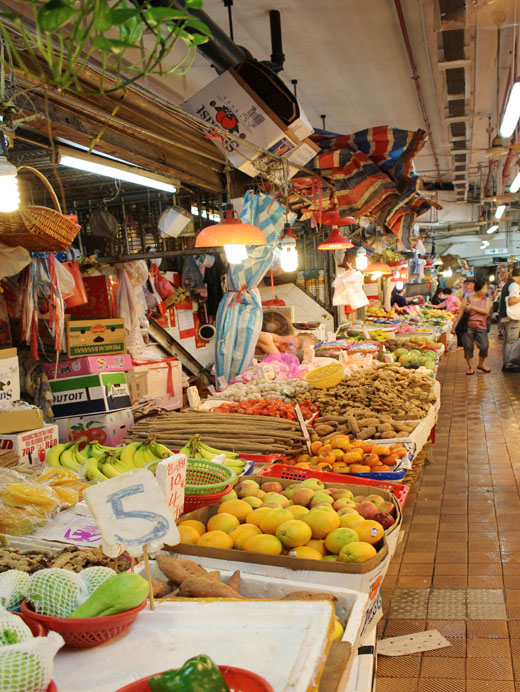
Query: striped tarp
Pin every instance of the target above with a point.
(373, 175)
(239, 316)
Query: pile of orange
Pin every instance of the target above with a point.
(340, 455)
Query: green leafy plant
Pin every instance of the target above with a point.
(126, 40)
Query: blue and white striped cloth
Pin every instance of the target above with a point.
(239, 316)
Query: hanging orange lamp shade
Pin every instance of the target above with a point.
(384, 269)
(230, 231)
(333, 218)
(335, 241)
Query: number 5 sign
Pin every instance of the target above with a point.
(131, 511)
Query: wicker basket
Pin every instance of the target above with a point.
(38, 229)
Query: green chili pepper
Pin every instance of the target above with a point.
(198, 674)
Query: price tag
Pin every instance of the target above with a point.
(131, 511)
(268, 372)
(171, 476)
(193, 397)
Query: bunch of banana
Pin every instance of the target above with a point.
(119, 460)
(67, 455)
(195, 449)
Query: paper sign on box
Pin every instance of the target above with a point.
(9, 375)
(31, 446)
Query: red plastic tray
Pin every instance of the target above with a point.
(237, 679)
(295, 473)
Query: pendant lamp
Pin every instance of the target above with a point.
(232, 234)
(335, 241)
(378, 267)
(288, 251)
(9, 194)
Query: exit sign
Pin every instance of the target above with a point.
(497, 251)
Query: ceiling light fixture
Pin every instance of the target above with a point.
(447, 273)
(361, 259)
(512, 112)
(100, 165)
(335, 241)
(499, 213)
(492, 229)
(232, 234)
(378, 268)
(491, 277)
(484, 245)
(9, 193)
(515, 185)
(288, 251)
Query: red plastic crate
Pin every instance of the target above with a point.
(295, 473)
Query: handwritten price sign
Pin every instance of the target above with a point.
(171, 476)
(131, 512)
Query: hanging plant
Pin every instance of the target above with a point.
(127, 40)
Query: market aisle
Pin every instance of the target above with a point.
(458, 569)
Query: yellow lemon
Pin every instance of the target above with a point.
(189, 535)
(270, 522)
(338, 538)
(263, 543)
(239, 508)
(223, 522)
(240, 535)
(197, 525)
(256, 515)
(318, 544)
(370, 531)
(293, 533)
(306, 553)
(358, 551)
(322, 522)
(338, 631)
(351, 521)
(298, 511)
(216, 539)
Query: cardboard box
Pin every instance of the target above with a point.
(231, 104)
(156, 381)
(366, 577)
(107, 428)
(31, 446)
(102, 298)
(96, 393)
(9, 375)
(91, 337)
(86, 365)
(20, 420)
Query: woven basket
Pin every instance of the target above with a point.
(38, 229)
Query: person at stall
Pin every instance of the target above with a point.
(398, 298)
(468, 288)
(450, 302)
(438, 296)
(510, 312)
(477, 307)
(269, 342)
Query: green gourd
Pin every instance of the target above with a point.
(117, 594)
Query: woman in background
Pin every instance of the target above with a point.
(478, 306)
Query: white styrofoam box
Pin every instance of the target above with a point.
(368, 584)
(350, 607)
(284, 645)
(9, 375)
(31, 446)
(363, 673)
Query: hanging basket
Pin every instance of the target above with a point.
(38, 229)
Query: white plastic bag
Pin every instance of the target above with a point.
(66, 282)
(348, 290)
(12, 260)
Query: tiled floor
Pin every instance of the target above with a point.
(458, 569)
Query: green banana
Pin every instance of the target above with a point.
(53, 455)
(235, 463)
(139, 456)
(96, 450)
(160, 450)
(109, 470)
(149, 454)
(79, 457)
(93, 473)
(187, 450)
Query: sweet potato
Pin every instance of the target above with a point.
(309, 596)
(353, 425)
(234, 581)
(366, 433)
(324, 429)
(201, 587)
(177, 570)
(160, 588)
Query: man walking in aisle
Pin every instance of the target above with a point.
(510, 304)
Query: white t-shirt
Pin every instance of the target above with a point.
(513, 311)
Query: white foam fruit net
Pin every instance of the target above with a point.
(27, 667)
(95, 576)
(56, 592)
(12, 588)
(13, 629)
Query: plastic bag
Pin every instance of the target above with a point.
(12, 260)
(66, 282)
(348, 290)
(163, 287)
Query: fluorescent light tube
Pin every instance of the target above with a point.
(499, 213)
(9, 193)
(512, 112)
(515, 185)
(90, 163)
(492, 229)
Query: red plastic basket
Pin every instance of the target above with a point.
(192, 502)
(83, 632)
(37, 629)
(237, 679)
(296, 473)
